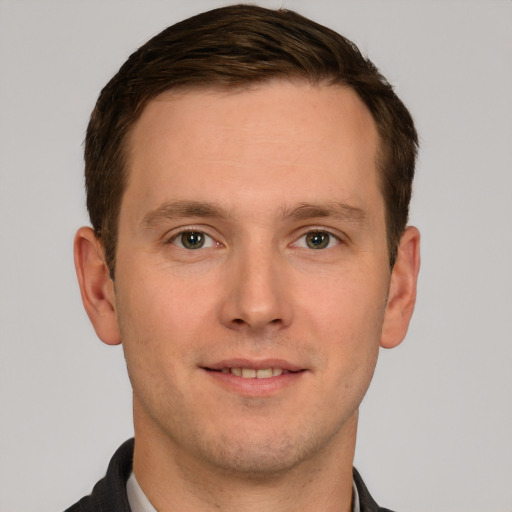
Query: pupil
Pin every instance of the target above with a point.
(317, 240)
(192, 240)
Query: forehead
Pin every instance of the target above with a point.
(313, 110)
(273, 138)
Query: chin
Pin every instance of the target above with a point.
(257, 458)
(261, 455)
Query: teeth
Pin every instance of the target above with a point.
(264, 374)
(251, 373)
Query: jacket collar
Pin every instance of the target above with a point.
(109, 494)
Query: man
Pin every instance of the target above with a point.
(248, 178)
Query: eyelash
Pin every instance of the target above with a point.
(320, 231)
(211, 242)
(208, 239)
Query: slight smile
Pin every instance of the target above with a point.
(251, 373)
(255, 378)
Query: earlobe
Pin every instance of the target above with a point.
(96, 286)
(402, 289)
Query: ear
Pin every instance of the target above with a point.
(96, 286)
(402, 289)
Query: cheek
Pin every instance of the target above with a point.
(150, 339)
(347, 306)
(162, 321)
(161, 303)
(346, 320)
(351, 348)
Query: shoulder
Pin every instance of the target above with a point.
(109, 494)
(367, 503)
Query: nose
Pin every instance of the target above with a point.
(257, 293)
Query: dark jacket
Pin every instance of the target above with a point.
(109, 494)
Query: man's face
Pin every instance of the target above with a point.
(252, 272)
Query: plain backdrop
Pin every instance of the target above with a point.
(436, 426)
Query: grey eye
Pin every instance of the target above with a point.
(318, 240)
(193, 240)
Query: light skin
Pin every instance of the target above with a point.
(251, 237)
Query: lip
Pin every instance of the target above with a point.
(254, 387)
(254, 364)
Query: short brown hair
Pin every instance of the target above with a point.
(232, 47)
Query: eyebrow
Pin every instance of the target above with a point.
(177, 209)
(337, 210)
(304, 211)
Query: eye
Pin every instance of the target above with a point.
(317, 240)
(193, 240)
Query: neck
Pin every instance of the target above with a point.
(174, 479)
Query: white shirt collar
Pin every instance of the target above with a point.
(139, 502)
(136, 498)
(356, 507)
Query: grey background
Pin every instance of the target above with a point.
(435, 429)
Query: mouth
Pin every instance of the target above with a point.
(255, 377)
(253, 373)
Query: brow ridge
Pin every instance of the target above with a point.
(183, 208)
(304, 211)
(339, 210)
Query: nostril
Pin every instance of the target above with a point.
(255, 321)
